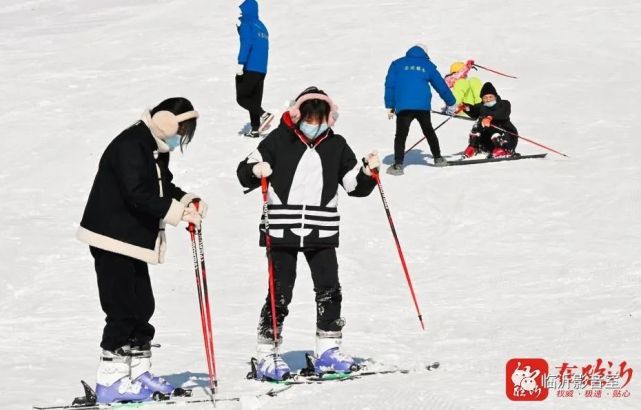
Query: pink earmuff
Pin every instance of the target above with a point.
(294, 110)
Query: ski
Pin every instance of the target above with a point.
(307, 375)
(158, 401)
(484, 160)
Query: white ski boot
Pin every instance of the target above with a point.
(113, 381)
(141, 371)
(329, 356)
(271, 365)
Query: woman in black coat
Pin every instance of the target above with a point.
(131, 200)
(492, 111)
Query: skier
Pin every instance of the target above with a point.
(408, 96)
(483, 137)
(465, 89)
(252, 67)
(305, 162)
(131, 200)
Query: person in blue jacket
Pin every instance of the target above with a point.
(408, 96)
(252, 67)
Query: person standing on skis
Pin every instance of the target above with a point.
(466, 90)
(131, 200)
(409, 97)
(305, 162)
(252, 67)
(492, 111)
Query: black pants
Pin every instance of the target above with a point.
(403, 121)
(126, 298)
(487, 138)
(324, 267)
(249, 95)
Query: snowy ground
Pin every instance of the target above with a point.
(534, 258)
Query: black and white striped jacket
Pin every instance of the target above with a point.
(303, 190)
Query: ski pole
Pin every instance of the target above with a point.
(494, 71)
(377, 178)
(210, 328)
(458, 117)
(192, 233)
(270, 264)
(437, 127)
(530, 141)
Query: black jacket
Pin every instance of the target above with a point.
(500, 113)
(126, 208)
(303, 191)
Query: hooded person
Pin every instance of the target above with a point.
(132, 199)
(466, 89)
(484, 137)
(408, 96)
(252, 67)
(306, 162)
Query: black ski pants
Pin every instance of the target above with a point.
(487, 138)
(249, 95)
(403, 120)
(324, 267)
(126, 298)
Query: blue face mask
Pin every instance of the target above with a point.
(312, 131)
(490, 104)
(173, 142)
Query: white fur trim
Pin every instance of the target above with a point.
(152, 256)
(188, 198)
(175, 213)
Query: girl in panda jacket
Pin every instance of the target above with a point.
(131, 200)
(305, 162)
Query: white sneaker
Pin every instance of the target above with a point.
(265, 121)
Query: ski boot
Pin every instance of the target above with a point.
(329, 356)
(141, 372)
(470, 151)
(113, 382)
(270, 364)
(273, 368)
(499, 152)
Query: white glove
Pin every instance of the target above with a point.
(372, 161)
(390, 113)
(191, 216)
(262, 169)
(202, 207)
(239, 69)
(451, 109)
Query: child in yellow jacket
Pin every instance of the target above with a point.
(466, 89)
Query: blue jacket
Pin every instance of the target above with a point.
(407, 85)
(254, 39)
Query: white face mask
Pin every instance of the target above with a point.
(490, 104)
(312, 131)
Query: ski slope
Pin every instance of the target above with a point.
(536, 258)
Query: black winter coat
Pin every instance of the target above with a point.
(303, 191)
(126, 208)
(500, 113)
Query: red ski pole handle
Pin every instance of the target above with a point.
(191, 227)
